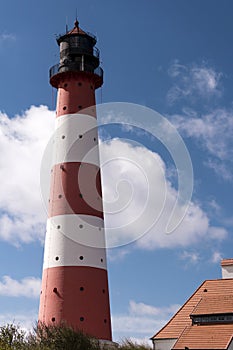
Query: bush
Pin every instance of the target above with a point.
(12, 337)
(62, 337)
(55, 338)
(45, 338)
(130, 345)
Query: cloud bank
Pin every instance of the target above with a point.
(22, 142)
(28, 287)
(137, 191)
(147, 198)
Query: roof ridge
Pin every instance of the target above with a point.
(181, 335)
(197, 305)
(218, 279)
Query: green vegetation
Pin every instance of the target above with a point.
(129, 345)
(12, 337)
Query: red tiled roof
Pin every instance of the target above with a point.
(210, 288)
(215, 305)
(205, 337)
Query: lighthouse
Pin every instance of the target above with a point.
(75, 280)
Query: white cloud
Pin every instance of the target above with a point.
(139, 201)
(206, 79)
(214, 206)
(193, 81)
(222, 169)
(149, 310)
(22, 141)
(7, 37)
(142, 320)
(216, 257)
(190, 257)
(28, 287)
(117, 254)
(213, 132)
(26, 320)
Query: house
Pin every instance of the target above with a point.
(205, 321)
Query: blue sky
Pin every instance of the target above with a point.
(174, 57)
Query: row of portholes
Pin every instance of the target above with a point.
(62, 167)
(81, 257)
(80, 107)
(81, 319)
(80, 136)
(80, 226)
(65, 107)
(80, 195)
(79, 84)
(81, 290)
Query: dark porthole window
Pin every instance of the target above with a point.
(79, 84)
(58, 226)
(81, 319)
(60, 196)
(105, 321)
(53, 319)
(101, 260)
(80, 107)
(80, 136)
(81, 257)
(81, 289)
(57, 258)
(64, 108)
(103, 290)
(80, 226)
(65, 85)
(63, 136)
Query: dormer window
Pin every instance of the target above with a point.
(216, 319)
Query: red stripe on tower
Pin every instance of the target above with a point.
(75, 282)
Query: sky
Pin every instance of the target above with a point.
(172, 57)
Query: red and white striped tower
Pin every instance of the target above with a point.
(75, 282)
